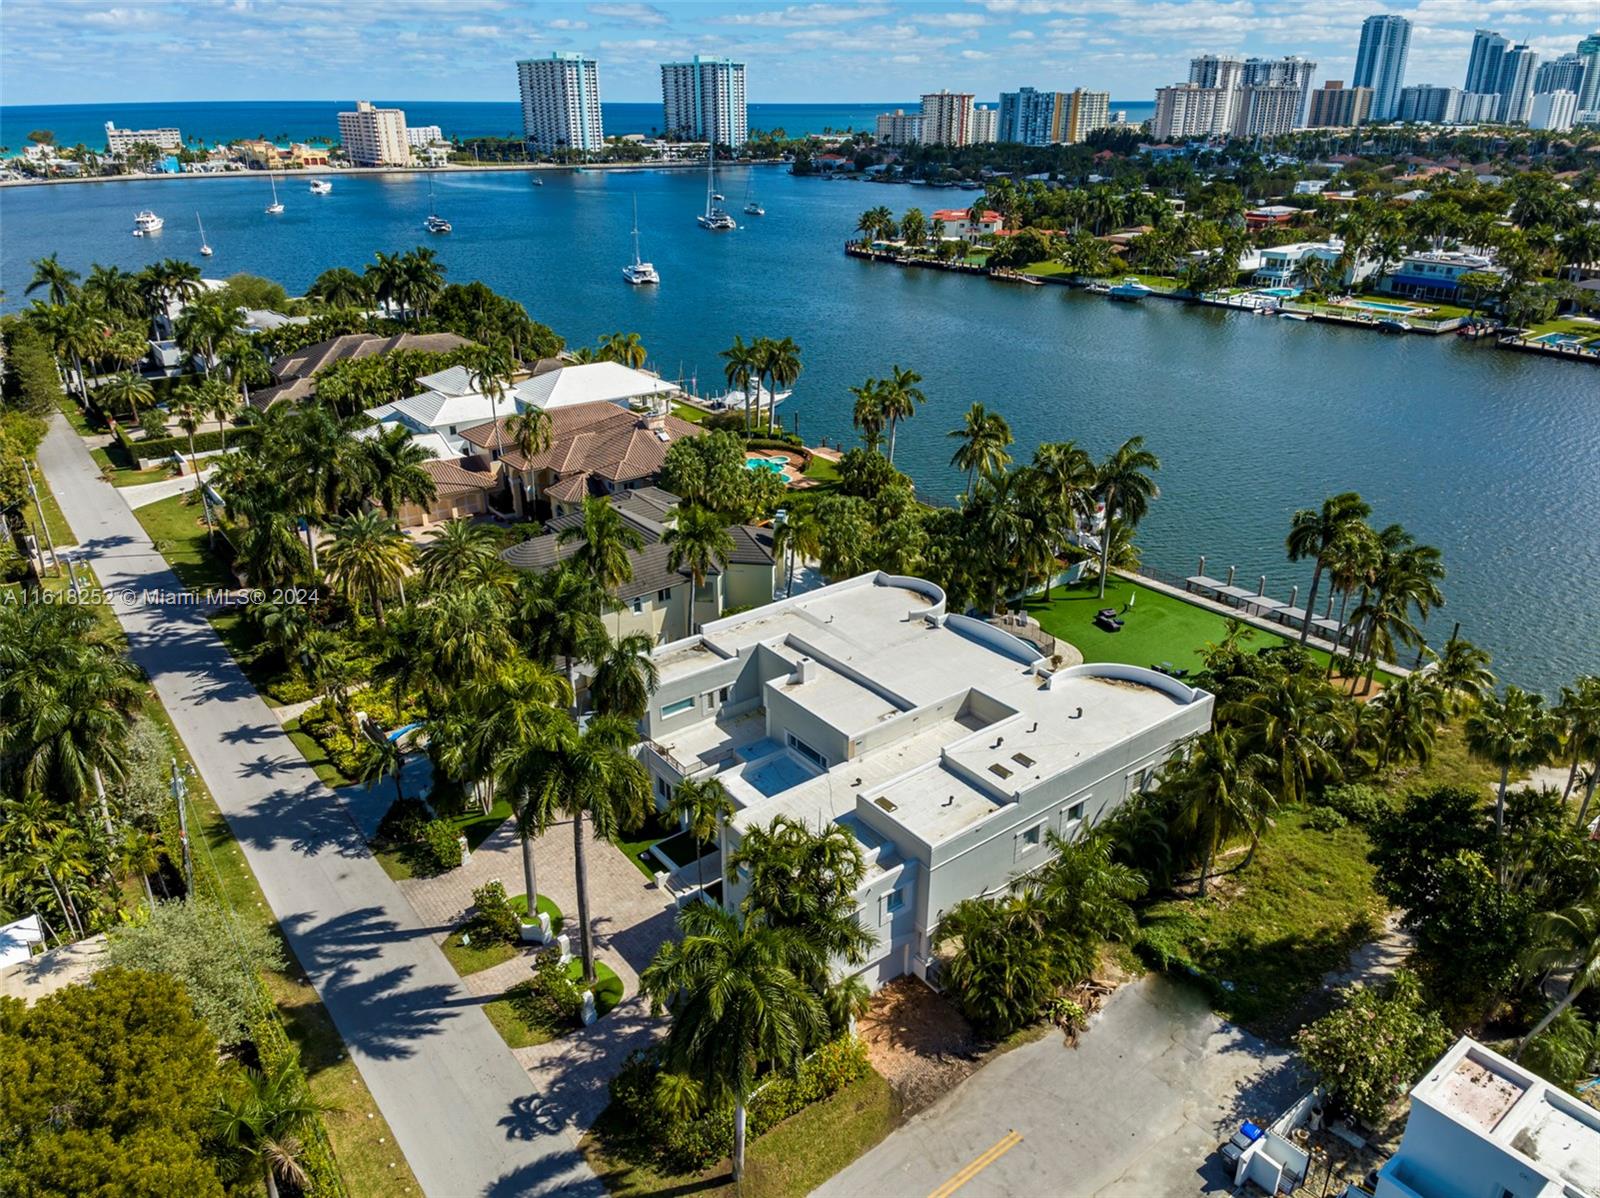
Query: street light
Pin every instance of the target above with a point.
(180, 792)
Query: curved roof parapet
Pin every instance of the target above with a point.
(931, 590)
(990, 637)
(1121, 672)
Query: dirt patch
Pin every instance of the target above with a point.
(919, 1042)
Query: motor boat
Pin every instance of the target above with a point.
(147, 222)
(320, 187)
(1129, 289)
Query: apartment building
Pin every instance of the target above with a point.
(1515, 84)
(704, 100)
(120, 141)
(1268, 111)
(1553, 112)
(985, 124)
(1086, 111)
(947, 118)
(1483, 1125)
(1288, 71)
(899, 128)
(1029, 117)
(1187, 110)
(561, 102)
(946, 746)
(1381, 62)
(1335, 106)
(374, 136)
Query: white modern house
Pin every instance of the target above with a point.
(946, 746)
(1482, 1126)
(1284, 265)
(1436, 274)
(592, 382)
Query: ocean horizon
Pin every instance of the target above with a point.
(298, 120)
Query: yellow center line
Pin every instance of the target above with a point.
(1005, 1144)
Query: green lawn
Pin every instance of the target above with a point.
(822, 471)
(1581, 328)
(1159, 628)
(178, 529)
(118, 469)
(1261, 941)
(1045, 269)
(518, 1033)
(791, 1160)
(472, 958)
(635, 842)
(687, 412)
(315, 757)
(60, 531)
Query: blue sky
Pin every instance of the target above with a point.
(99, 51)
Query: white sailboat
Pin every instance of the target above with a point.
(713, 218)
(274, 208)
(752, 206)
(639, 272)
(205, 250)
(435, 223)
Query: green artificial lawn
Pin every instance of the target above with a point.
(792, 1159)
(472, 823)
(1158, 629)
(518, 1033)
(486, 954)
(636, 842)
(178, 529)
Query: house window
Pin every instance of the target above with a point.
(894, 901)
(1029, 840)
(805, 750)
(722, 695)
(1071, 817)
(664, 595)
(678, 708)
(638, 606)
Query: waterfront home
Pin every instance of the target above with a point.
(448, 405)
(596, 448)
(656, 599)
(302, 154)
(1436, 274)
(958, 222)
(1284, 265)
(459, 493)
(1482, 1124)
(1271, 216)
(294, 373)
(594, 382)
(946, 746)
(259, 154)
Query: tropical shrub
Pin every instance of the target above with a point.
(1369, 1050)
(439, 849)
(1326, 819)
(1566, 1052)
(153, 424)
(550, 1000)
(494, 917)
(1357, 802)
(404, 822)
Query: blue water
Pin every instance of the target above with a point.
(1493, 456)
(220, 122)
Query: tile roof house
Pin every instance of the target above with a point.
(459, 493)
(656, 600)
(294, 372)
(596, 448)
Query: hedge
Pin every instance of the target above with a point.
(30, 379)
(164, 447)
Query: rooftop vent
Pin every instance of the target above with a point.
(805, 670)
(1022, 759)
(881, 801)
(999, 770)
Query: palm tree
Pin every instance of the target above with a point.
(368, 555)
(1293, 722)
(1568, 939)
(115, 290)
(1124, 486)
(1579, 713)
(606, 543)
(264, 1118)
(867, 415)
(221, 401)
(1220, 794)
(204, 324)
(702, 806)
(1063, 476)
(1409, 713)
(424, 278)
(60, 283)
(806, 881)
(382, 758)
(242, 359)
(459, 552)
(1353, 559)
(1463, 672)
(1515, 732)
(899, 400)
(559, 617)
(625, 676)
(488, 374)
(984, 437)
(734, 989)
(798, 535)
(1002, 969)
(698, 541)
(386, 282)
(127, 388)
(523, 706)
(741, 363)
(340, 287)
(529, 431)
(592, 775)
(1314, 534)
(394, 466)
(781, 363)
(1087, 891)
(627, 349)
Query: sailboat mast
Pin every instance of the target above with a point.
(636, 230)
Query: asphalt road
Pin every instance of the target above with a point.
(456, 1099)
(1137, 1110)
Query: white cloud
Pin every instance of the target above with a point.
(632, 14)
(798, 16)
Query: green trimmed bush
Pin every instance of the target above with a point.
(550, 1000)
(404, 822)
(1357, 802)
(439, 849)
(1326, 819)
(495, 918)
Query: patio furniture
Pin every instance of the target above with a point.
(1109, 623)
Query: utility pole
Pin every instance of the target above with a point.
(180, 792)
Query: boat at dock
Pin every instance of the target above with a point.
(1391, 325)
(1098, 288)
(1295, 315)
(1129, 289)
(762, 397)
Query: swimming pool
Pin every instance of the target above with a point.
(1375, 306)
(1280, 292)
(778, 466)
(1572, 339)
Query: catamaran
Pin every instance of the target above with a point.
(205, 250)
(274, 208)
(320, 187)
(435, 223)
(714, 218)
(147, 222)
(639, 272)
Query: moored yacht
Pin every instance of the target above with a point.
(435, 223)
(639, 272)
(320, 187)
(147, 222)
(276, 207)
(714, 217)
(1129, 289)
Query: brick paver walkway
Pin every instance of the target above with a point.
(629, 919)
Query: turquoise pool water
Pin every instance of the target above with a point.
(1376, 306)
(1280, 292)
(778, 466)
(1559, 339)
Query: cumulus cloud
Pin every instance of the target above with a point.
(632, 14)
